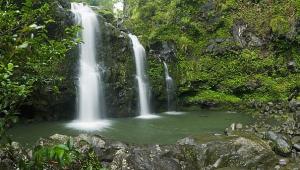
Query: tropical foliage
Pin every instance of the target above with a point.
(210, 63)
(31, 52)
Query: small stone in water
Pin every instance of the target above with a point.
(282, 162)
(239, 126)
(277, 167)
(232, 126)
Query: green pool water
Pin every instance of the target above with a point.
(166, 129)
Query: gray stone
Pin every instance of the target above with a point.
(239, 126)
(187, 141)
(281, 146)
(297, 146)
(296, 139)
(292, 66)
(60, 138)
(188, 154)
(255, 41)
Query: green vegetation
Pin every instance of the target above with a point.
(212, 63)
(32, 51)
(108, 4)
(61, 156)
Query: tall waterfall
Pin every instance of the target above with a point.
(142, 78)
(170, 88)
(90, 94)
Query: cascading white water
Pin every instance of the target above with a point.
(142, 79)
(170, 88)
(90, 94)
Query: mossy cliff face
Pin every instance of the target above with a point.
(226, 52)
(116, 57)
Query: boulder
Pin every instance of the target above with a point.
(297, 146)
(188, 154)
(244, 36)
(280, 144)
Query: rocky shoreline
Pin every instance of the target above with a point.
(256, 146)
(271, 142)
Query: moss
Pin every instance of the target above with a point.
(107, 14)
(235, 74)
(156, 76)
(280, 25)
(209, 95)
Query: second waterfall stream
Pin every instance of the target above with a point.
(170, 89)
(142, 78)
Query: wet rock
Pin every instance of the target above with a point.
(60, 138)
(165, 51)
(255, 41)
(296, 139)
(294, 105)
(228, 131)
(95, 141)
(297, 146)
(152, 157)
(297, 116)
(7, 164)
(292, 66)
(244, 37)
(187, 141)
(239, 126)
(115, 50)
(188, 154)
(280, 145)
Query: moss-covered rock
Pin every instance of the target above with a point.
(115, 55)
(239, 49)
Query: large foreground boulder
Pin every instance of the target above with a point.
(188, 154)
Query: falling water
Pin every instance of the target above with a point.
(141, 76)
(90, 94)
(170, 88)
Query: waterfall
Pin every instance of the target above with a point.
(170, 88)
(142, 79)
(91, 103)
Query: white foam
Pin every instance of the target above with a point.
(174, 113)
(89, 126)
(148, 116)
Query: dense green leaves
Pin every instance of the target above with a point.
(31, 56)
(61, 156)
